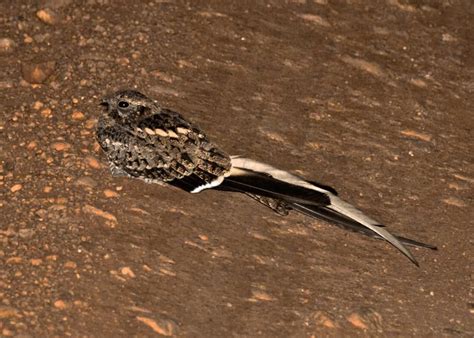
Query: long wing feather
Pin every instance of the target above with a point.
(277, 180)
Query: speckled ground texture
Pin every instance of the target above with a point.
(372, 97)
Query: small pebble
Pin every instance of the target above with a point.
(258, 295)
(93, 163)
(322, 319)
(167, 272)
(185, 64)
(16, 187)
(27, 39)
(419, 83)
(110, 193)
(26, 233)
(6, 84)
(89, 209)
(36, 261)
(38, 105)
(14, 260)
(7, 333)
(163, 327)
(61, 146)
(32, 145)
(60, 304)
(365, 319)
(86, 181)
(454, 201)
(126, 271)
(446, 37)
(96, 146)
(7, 312)
(369, 67)
(357, 321)
(52, 258)
(90, 123)
(122, 61)
(416, 135)
(47, 112)
(316, 19)
(37, 72)
(80, 303)
(7, 45)
(47, 16)
(70, 265)
(78, 116)
(162, 76)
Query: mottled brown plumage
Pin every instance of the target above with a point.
(280, 207)
(145, 141)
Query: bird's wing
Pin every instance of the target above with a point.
(279, 206)
(349, 224)
(261, 179)
(283, 208)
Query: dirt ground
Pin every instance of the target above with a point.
(372, 97)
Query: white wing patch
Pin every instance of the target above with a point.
(246, 163)
(209, 185)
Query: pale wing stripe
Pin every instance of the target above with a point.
(347, 209)
(337, 204)
(344, 207)
(209, 185)
(246, 163)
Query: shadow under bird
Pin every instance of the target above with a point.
(157, 145)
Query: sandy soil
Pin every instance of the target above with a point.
(372, 97)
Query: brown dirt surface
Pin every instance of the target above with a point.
(372, 97)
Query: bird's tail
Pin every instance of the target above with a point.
(309, 198)
(349, 224)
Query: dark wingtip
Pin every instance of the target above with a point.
(409, 255)
(417, 244)
(431, 247)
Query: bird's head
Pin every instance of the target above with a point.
(128, 105)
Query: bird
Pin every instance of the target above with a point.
(143, 140)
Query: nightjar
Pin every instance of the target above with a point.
(145, 141)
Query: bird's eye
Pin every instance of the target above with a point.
(123, 104)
